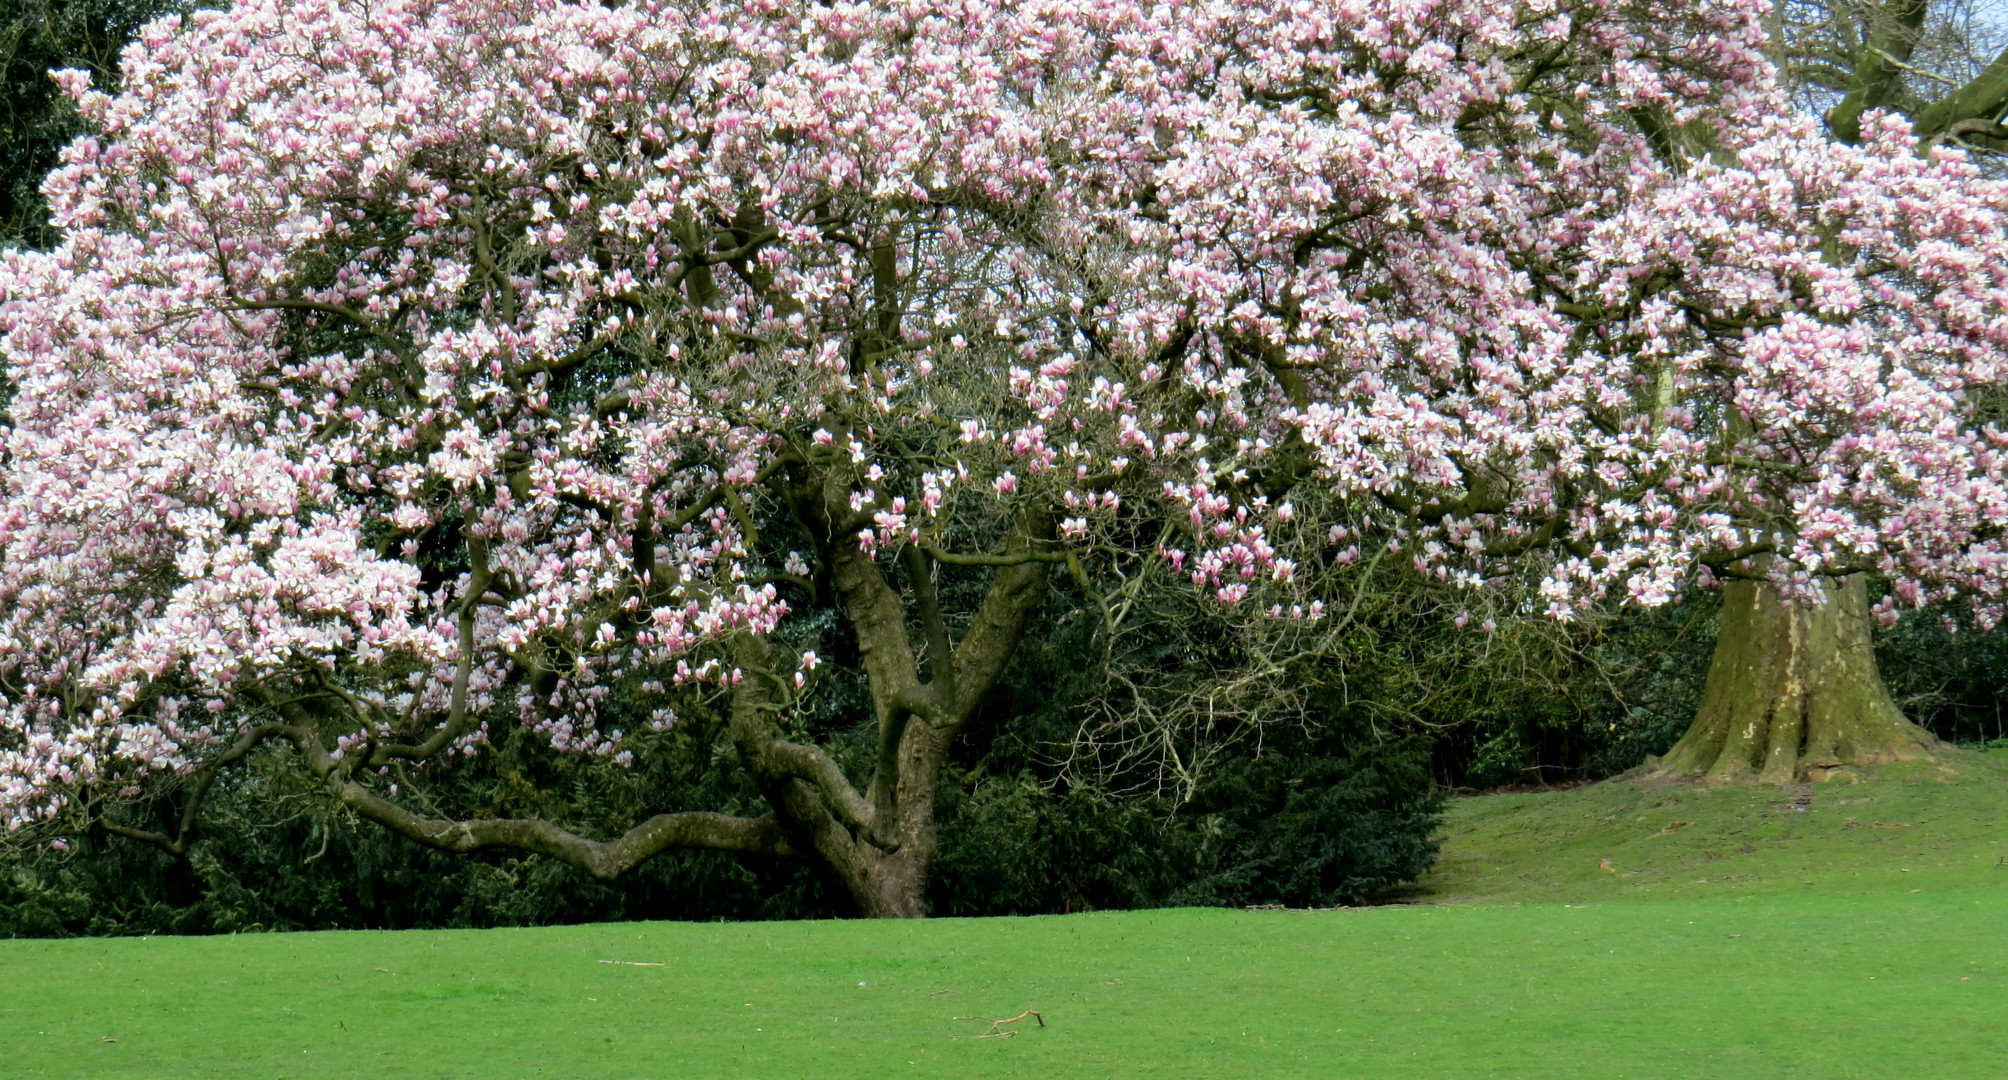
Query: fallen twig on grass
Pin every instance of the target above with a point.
(636, 963)
(996, 1026)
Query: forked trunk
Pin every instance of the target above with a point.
(893, 888)
(1793, 693)
(892, 884)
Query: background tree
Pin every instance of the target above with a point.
(37, 120)
(1942, 65)
(1774, 365)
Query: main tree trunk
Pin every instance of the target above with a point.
(1793, 693)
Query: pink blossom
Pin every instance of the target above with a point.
(363, 364)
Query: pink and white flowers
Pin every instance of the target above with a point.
(431, 358)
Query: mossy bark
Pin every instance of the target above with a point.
(1793, 693)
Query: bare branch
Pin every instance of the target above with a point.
(1016, 558)
(370, 326)
(940, 669)
(1879, 66)
(1000, 622)
(604, 860)
(809, 763)
(456, 717)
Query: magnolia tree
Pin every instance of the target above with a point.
(1566, 350)
(411, 368)
(1775, 372)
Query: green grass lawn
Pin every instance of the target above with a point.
(1541, 967)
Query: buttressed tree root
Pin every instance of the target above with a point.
(1793, 694)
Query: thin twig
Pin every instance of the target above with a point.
(996, 1026)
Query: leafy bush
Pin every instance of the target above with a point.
(248, 872)
(1947, 674)
(1316, 809)
(1314, 825)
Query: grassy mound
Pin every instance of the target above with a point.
(1899, 828)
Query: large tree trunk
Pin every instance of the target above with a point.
(877, 843)
(1793, 693)
(892, 884)
(896, 889)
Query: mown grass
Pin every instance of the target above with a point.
(1559, 970)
